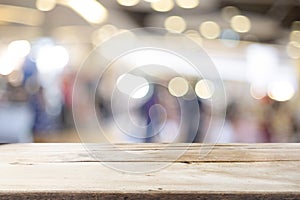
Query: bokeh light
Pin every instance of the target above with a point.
(240, 23)
(178, 87)
(228, 12)
(45, 5)
(19, 48)
(128, 2)
(135, 87)
(281, 91)
(187, 4)
(162, 5)
(204, 89)
(293, 50)
(210, 30)
(175, 24)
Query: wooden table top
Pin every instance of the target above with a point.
(150, 171)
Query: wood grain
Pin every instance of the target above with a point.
(229, 171)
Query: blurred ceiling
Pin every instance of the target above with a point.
(271, 19)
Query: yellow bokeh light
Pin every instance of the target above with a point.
(187, 4)
(45, 5)
(240, 23)
(210, 30)
(281, 91)
(128, 2)
(178, 87)
(175, 24)
(162, 5)
(204, 89)
(293, 50)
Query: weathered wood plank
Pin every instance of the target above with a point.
(237, 171)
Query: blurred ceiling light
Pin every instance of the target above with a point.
(296, 25)
(175, 24)
(45, 5)
(21, 15)
(295, 36)
(187, 4)
(228, 12)
(281, 91)
(178, 87)
(134, 86)
(51, 58)
(230, 38)
(19, 48)
(257, 92)
(195, 36)
(103, 33)
(91, 10)
(204, 89)
(240, 23)
(293, 50)
(162, 5)
(128, 2)
(210, 30)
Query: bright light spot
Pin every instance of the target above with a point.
(240, 23)
(178, 87)
(19, 48)
(210, 30)
(175, 24)
(188, 4)
(293, 50)
(228, 12)
(281, 91)
(90, 10)
(134, 86)
(204, 89)
(52, 58)
(295, 36)
(230, 38)
(128, 2)
(162, 5)
(103, 33)
(195, 36)
(45, 5)
(257, 92)
(8, 62)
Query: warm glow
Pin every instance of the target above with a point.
(134, 86)
(210, 29)
(295, 36)
(240, 23)
(91, 10)
(19, 48)
(188, 4)
(178, 87)
(45, 5)
(293, 50)
(175, 24)
(204, 89)
(21, 15)
(162, 5)
(281, 91)
(128, 2)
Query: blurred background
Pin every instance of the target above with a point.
(254, 44)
